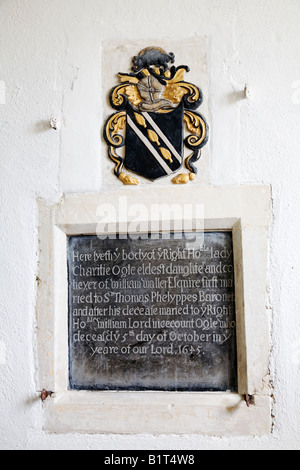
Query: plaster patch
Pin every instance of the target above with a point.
(2, 92)
(296, 93)
(2, 353)
(295, 348)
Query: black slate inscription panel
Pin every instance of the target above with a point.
(152, 314)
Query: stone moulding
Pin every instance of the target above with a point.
(246, 211)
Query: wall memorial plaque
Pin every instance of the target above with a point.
(152, 314)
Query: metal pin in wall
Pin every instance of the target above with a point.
(246, 92)
(45, 394)
(249, 399)
(53, 122)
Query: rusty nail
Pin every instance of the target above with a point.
(45, 394)
(249, 399)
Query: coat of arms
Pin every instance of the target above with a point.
(153, 103)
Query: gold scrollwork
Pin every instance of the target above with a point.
(114, 124)
(119, 162)
(130, 90)
(197, 126)
(192, 91)
(175, 87)
(195, 156)
(117, 159)
(117, 95)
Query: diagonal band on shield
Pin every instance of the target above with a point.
(154, 143)
(149, 146)
(163, 137)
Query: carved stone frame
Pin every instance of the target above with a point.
(246, 211)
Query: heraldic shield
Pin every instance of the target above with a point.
(153, 103)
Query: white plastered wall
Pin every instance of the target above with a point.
(50, 63)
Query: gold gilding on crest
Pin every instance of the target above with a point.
(154, 142)
(128, 90)
(133, 95)
(173, 91)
